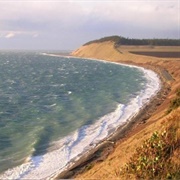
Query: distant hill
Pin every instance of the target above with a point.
(119, 40)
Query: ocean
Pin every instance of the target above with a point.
(53, 109)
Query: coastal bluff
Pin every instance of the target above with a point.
(114, 156)
(98, 51)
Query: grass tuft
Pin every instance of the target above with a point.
(175, 103)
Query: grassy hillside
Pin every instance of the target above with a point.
(151, 148)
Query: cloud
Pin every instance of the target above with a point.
(142, 13)
(35, 35)
(10, 35)
(59, 23)
(71, 14)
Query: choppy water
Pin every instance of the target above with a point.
(46, 99)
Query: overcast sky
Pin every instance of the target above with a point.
(66, 25)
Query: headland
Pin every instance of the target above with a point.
(104, 161)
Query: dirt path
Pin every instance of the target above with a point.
(166, 75)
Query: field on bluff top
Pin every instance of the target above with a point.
(158, 54)
(150, 48)
(155, 51)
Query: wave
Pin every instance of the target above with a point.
(69, 149)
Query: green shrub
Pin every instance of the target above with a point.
(153, 159)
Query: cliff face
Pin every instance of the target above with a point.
(167, 68)
(98, 50)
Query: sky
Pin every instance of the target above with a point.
(68, 24)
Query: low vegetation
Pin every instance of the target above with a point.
(119, 40)
(175, 103)
(157, 158)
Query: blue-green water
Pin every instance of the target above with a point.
(44, 99)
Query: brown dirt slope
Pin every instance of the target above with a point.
(116, 155)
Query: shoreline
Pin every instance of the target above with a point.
(108, 142)
(107, 145)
